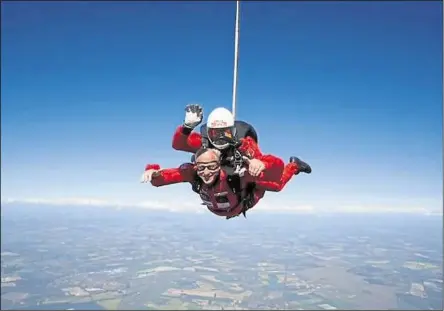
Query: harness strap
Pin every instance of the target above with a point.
(244, 196)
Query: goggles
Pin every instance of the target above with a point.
(211, 166)
(220, 135)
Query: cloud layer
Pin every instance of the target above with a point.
(193, 206)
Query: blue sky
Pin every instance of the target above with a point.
(92, 91)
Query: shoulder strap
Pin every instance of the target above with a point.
(196, 184)
(203, 134)
(234, 182)
(244, 196)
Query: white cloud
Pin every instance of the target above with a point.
(154, 205)
(286, 208)
(194, 206)
(59, 201)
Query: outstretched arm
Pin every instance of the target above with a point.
(169, 176)
(185, 139)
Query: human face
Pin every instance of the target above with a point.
(208, 167)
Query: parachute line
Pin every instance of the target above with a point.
(236, 57)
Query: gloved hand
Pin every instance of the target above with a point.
(148, 175)
(193, 116)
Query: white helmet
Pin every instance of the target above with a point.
(220, 127)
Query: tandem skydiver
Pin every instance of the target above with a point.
(235, 140)
(224, 194)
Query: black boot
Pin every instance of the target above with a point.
(302, 166)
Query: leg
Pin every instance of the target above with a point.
(289, 171)
(293, 168)
(274, 167)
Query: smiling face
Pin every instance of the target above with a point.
(208, 166)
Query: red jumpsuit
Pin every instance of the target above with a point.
(218, 198)
(280, 173)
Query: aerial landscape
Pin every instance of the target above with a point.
(85, 258)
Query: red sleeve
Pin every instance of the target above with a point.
(250, 148)
(262, 182)
(184, 173)
(274, 166)
(186, 142)
(258, 179)
(152, 167)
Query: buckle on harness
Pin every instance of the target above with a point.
(238, 163)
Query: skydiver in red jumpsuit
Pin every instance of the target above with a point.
(220, 128)
(215, 189)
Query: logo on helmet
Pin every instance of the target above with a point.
(219, 123)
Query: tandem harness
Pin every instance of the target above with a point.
(244, 196)
(233, 165)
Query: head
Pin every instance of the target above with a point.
(220, 128)
(207, 163)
